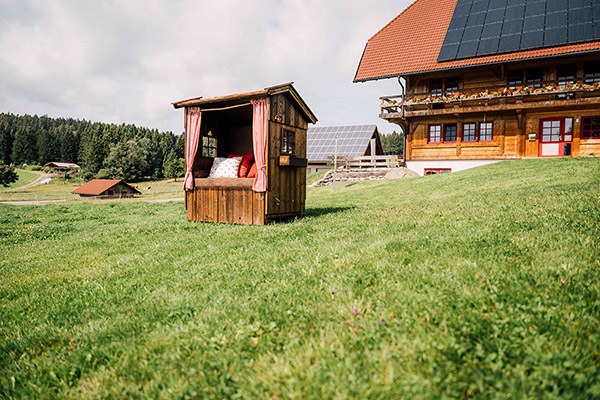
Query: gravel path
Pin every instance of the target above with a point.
(39, 179)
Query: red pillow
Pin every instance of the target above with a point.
(252, 173)
(245, 164)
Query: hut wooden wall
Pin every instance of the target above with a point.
(286, 186)
(231, 205)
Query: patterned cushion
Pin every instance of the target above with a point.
(225, 167)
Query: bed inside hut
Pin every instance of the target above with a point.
(246, 156)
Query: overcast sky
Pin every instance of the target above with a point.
(127, 61)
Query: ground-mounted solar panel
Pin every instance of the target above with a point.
(353, 141)
(487, 27)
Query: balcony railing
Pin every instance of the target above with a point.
(401, 106)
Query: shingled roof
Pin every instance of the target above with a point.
(411, 43)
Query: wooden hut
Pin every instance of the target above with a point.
(267, 130)
(106, 189)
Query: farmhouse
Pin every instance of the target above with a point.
(245, 156)
(106, 188)
(490, 80)
(352, 141)
(61, 166)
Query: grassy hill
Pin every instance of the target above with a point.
(480, 283)
(24, 177)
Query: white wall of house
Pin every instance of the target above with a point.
(454, 165)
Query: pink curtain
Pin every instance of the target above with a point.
(192, 139)
(260, 126)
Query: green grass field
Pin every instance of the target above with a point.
(477, 284)
(25, 177)
(60, 190)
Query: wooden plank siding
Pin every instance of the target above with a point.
(226, 205)
(286, 191)
(514, 118)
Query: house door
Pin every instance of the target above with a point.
(556, 137)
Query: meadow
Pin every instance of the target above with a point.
(476, 284)
(59, 190)
(24, 177)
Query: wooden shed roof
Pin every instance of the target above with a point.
(240, 98)
(96, 187)
(61, 164)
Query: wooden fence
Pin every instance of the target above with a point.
(366, 161)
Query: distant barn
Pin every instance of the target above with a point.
(62, 166)
(106, 188)
(353, 141)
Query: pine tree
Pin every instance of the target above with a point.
(24, 146)
(174, 166)
(6, 142)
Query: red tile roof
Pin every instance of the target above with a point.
(98, 186)
(411, 43)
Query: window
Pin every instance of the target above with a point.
(449, 133)
(515, 78)
(535, 77)
(436, 88)
(469, 132)
(590, 128)
(485, 131)
(446, 87)
(451, 86)
(436, 171)
(565, 74)
(435, 134)
(209, 146)
(551, 131)
(591, 72)
(288, 142)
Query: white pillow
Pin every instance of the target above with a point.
(225, 167)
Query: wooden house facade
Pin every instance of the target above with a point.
(267, 125)
(474, 94)
(106, 189)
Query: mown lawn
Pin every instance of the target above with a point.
(478, 284)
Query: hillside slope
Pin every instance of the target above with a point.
(480, 283)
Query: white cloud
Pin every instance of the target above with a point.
(117, 61)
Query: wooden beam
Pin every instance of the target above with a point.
(538, 105)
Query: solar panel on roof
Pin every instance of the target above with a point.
(486, 27)
(352, 141)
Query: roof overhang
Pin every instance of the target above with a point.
(241, 98)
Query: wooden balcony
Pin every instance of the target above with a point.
(491, 99)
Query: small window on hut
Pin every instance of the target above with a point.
(288, 142)
(209, 146)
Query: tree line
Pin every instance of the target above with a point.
(102, 150)
(392, 143)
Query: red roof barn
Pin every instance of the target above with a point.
(106, 188)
